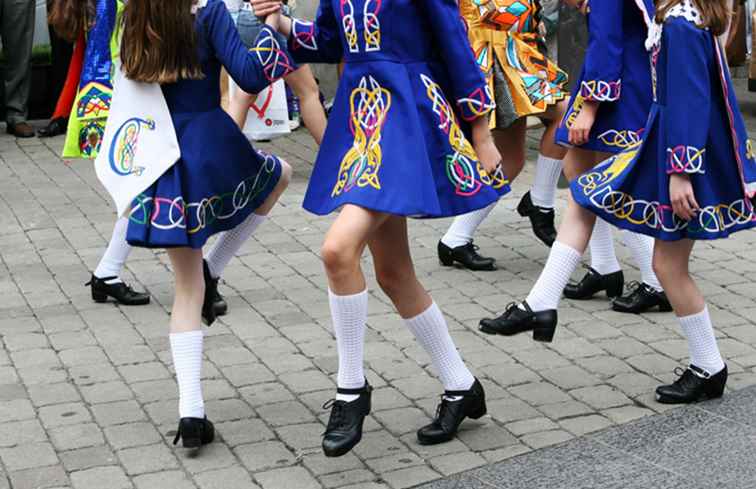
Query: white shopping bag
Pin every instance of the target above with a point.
(268, 116)
(139, 143)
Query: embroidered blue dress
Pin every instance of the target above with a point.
(220, 179)
(616, 73)
(694, 127)
(394, 141)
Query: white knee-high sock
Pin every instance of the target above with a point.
(547, 291)
(187, 361)
(431, 331)
(642, 249)
(230, 242)
(349, 315)
(603, 259)
(702, 343)
(116, 253)
(543, 191)
(463, 227)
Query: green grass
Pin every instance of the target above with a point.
(40, 56)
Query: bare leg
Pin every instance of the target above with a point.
(303, 83)
(238, 106)
(671, 260)
(511, 144)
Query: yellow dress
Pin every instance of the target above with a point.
(505, 39)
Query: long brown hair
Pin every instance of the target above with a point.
(715, 13)
(159, 42)
(69, 18)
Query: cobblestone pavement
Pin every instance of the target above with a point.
(88, 400)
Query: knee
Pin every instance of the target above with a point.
(661, 266)
(307, 89)
(338, 256)
(393, 279)
(286, 174)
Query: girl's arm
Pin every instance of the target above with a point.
(602, 81)
(688, 91)
(253, 69)
(309, 42)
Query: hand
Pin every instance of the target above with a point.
(263, 8)
(683, 198)
(581, 128)
(274, 20)
(488, 155)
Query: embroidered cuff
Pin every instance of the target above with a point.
(274, 59)
(685, 159)
(303, 35)
(600, 90)
(477, 104)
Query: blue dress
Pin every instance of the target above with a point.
(694, 127)
(394, 141)
(220, 179)
(616, 73)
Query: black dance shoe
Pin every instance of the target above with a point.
(450, 414)
(541, 219)
(219, 303)
(121, 292)
(693, 385)
(56, 127)
(642, 298)
(344, 429)
(593, 283)
(194, 432)
(516, 320)
(467, 256)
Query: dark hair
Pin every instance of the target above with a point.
(716, 13)
(159, 42)
(69, 18)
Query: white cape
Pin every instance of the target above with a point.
(139, 143)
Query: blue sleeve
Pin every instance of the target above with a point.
(317, 42)
(602, 80)
(252, 69)
(688, 88)
(469, 87)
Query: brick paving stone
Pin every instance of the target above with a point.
(171, 479)
(585, 424)
(546, 438)
(265, 456)
(214, 456)
(53, 476)
(289, 477)
(118, 413)
(64, 414)
(76, 436)
(230, 478)
(99, 477)
(284, 413)
(601, 397)
(43, 395)
(87, 458)
(244, 431)
(519, 428)
(106, 392)
(505, 453)
(457, 462)
(538, 393)
(626, 414)
(131, 435)
(28, 456)
(412, 476)
(320, 465)
(301, 436)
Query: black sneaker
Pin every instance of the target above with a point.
(516, 320)
(642, 298)
(120, 291)
(450, 414)
(694, 385)
(541, 219)
(344, 429)
(467, 256)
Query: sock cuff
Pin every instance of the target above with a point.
(568, 250)
(332, 296)
(426, 316)
(699, 316)
(187, 336)
(545, 159)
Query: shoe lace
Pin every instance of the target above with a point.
(337, 418)
(441, 410)
(686, 377)
(510, 307)
(634, 286)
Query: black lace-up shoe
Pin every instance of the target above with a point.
(194, 432)
(450, 414)
(344, 429)
(467, 256)
(211, 284)
(121, 292)
(593, 283)
(694, 384)
(516, 320)
(541, 219)
(642, 298)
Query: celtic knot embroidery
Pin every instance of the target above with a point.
(477, 104)
(165, 214)
(304, 34)
(274, 60)
(620, 139)
(94, 101)
(349, 25)
(600, 90)
(749, 149)
(462, 166)
(369, 106)
(685, 159)
(372, 25)
(123, 149)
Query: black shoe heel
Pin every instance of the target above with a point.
(194, 432)
(714, 390)
(665, 307)
(545, 335)
(615, 286)
(478, 413)
(99, 297)
(445, 257)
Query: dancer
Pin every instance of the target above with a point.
(505, 37)
(301, 81)
(220, 181)
(393, 149)
(691, 177)
(610, 99)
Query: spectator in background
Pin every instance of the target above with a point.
(61, 51)
(17, 34)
